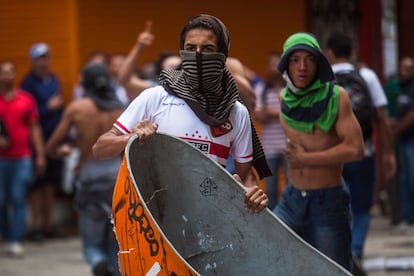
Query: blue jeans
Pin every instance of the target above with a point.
(230, 165)
(272, 182)
(360, 178)
(15, 175)
(98, 240)
(407, 179)
(322, 218)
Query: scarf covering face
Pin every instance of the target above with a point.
(207, 86)
(317, 104)
(97, 85)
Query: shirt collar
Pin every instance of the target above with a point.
(345, 66)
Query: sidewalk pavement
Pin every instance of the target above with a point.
(388, 252)
(384, 250)
(61, 257)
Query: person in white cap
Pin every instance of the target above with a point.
(44, 86)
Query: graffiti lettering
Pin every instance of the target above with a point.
(136, 213)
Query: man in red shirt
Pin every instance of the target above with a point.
(20, 131)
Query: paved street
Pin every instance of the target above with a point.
(387, 252)
(63, 257)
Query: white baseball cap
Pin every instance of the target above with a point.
(38, 50)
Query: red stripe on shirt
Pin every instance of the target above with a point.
(215, 149)
(247, 156)
(118, 124)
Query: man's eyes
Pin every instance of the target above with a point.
(206, 48)
(190, 48)
(310, 59)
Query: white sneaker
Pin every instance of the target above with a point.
(401, 228)
(15, 249)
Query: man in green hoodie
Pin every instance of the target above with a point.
(322, 134)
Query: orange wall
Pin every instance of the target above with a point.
(75, 28)
(26, 22)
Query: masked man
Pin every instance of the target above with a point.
(199, 104)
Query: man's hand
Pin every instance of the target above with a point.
(145, 129)
(40, 163)
(4, 142)
(293, 153)
(255, 199)
(389, 164)
(146, 37)
(64, 150)
(55, 102)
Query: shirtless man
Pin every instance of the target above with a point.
(322, 134)
(91, 116)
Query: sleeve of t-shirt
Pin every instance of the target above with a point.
(33, 114)
(140, 108)
(242, 147)
(378, 96)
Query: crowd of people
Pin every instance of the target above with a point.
(317, 153)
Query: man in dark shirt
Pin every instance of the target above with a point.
(404, 129)
(45, 88)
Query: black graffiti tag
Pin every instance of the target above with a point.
(208, 187)
(136, 213)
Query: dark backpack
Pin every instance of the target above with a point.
(360, 98)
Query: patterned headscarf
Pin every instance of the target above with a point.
(212, 23)
(207, 86)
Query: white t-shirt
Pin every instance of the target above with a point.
(175, 117)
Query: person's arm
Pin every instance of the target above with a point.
(243, 170)
(267, 114)
(53, 146)
(110, 144)
(383, 126)
(389, 161)
(405, 123)
(255, 199)
(135, 86)
(113, 142)
(245, 89)
(350, 148)
(4, 136)
(4, 142)
(55, 102)
(125, 76)
(38, 146)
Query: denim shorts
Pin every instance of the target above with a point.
(322, 217)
